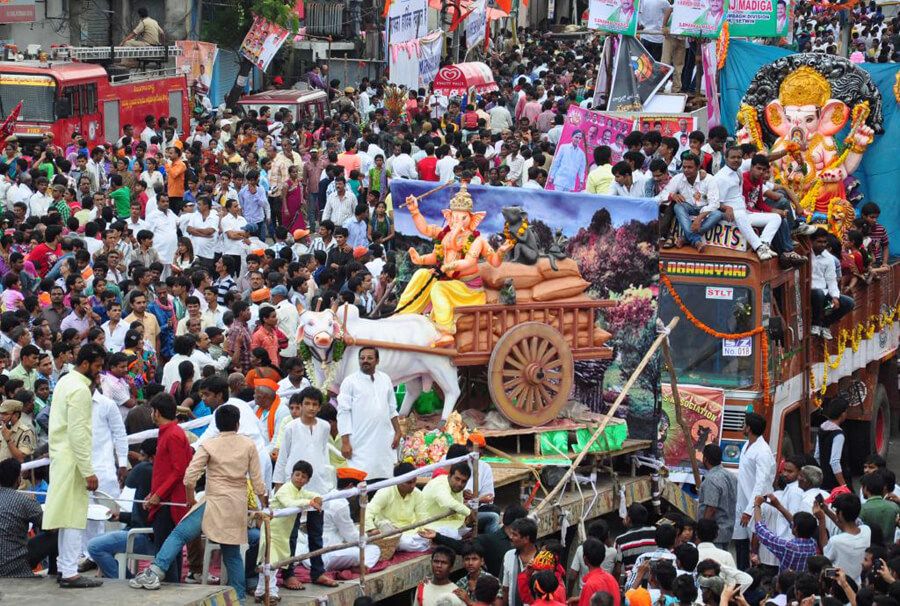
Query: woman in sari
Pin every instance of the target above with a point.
(292, 202)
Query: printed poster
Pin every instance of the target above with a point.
(584, 130)
(196, 63)
(263, 41)
(407, 20)
(784, 10)
(637, 76)
(703, 409)
(614, 16)
(711, 83)
(476, 24)
(699, 18)
(430, 57)
(753, 18)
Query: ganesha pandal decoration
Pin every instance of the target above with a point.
(817, 96)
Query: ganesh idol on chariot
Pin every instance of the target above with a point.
(449, 277)
(817, 97)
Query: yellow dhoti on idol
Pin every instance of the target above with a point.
(457, 249)
(442, 295)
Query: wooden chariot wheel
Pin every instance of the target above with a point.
(530, 374)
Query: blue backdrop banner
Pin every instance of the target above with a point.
(879, 173)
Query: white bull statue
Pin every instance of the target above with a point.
(319, 330)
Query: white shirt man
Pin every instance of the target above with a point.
(205, 244)
(164, 225)
(501, 119)
(170, 370)
(755, 475)
(693, 193)
(403, 167)
(444, 168)
(301, 442)
(652, 17)
(115, 336)
(725, 189)
(339, 207)
(39, 204)
(338, 527)
(109, 451)
(635, 190)
(367, 412)
(147, 135)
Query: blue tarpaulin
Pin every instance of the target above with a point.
(879, 173)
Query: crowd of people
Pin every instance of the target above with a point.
(159, 279)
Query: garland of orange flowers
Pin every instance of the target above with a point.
(722, 46)
(759, 330)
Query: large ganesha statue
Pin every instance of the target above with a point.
(805, 101)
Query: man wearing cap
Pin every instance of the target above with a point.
(269, 411)
(18, 435)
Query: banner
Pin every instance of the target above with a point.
(614, 16)
(703, 409)
(584, 130)
(18, 11)
(407, 20)
(476, 24)
(196, 63)
(784, 12)
(753, 19)
(699, 18)
(430, 57)
(263, 41)
(636, 76)
(711, 83)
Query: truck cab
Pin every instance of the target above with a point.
(730, 290)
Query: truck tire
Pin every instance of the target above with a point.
(880, 427)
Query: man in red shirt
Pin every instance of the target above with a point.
(173, 454)
(764, 202)
(45, 255)
(427, 166)
(597, 579)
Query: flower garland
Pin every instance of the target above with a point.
(519, 232)
(722, 47)
(749, 118)
(439, 247)
(330, 368)
(759, 330)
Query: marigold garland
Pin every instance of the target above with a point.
(759, 330)
(722, 46)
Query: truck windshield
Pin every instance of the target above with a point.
(37, 92)
(701, 358)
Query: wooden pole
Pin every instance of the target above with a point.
(377, 537)
(425, 349)
(621, 398)
(363, 502)
(673, 382)
(518, 464)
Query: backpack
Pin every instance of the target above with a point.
(470, 120)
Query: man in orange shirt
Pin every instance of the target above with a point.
(267, 334)
(175, 169)
(349, 160)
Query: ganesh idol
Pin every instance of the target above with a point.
(449, 275)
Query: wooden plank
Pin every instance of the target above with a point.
(637, 490)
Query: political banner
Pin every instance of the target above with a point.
(196, 63)
(699, 18)
(637, 76)
(614, 16)
(430, 57)
(613, 242)
(703, 410)
(678, 126)
(711, 83)
(263, 41)
(476, 24)
(784, 11)
(753, 18)
(584, 130)
(406, 20)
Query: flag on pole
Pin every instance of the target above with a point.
(6, 129)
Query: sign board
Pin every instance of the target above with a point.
(703, 410)
(722, 235)
(614, 16)
(721, 293)
(737, 348)
(699, 18)
(17, 11)
(706, 269)
(407, 20)
(754, 18)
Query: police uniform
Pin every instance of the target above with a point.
(21, 433)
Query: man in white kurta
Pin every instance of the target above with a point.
(339, 528)
(71, 471)
(306, 442)
(756, 472)
(367, 419)
(164, 225)
(109, 454)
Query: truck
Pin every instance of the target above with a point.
(70, 90)
(728, 289)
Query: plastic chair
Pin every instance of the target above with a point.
(208, 549)
(124, 559)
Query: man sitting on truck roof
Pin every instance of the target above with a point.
(825, 289)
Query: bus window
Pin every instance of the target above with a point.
(38, 94)
(88, 94)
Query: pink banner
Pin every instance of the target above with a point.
(710, 84)
(583, 130)
(263, 41)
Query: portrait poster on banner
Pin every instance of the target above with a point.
(753, 18)
(670, 125)
(196, 63)
(263, 41)
(703, 409)
(699, 18)
(612, 241)
(614, 16)
(636, 78)
(584, 130)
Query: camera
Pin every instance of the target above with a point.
(830, 573)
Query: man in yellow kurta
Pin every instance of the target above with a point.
(395, 507)
(443, 493)
(228, 459)
(71, 471)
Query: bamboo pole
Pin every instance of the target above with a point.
(621, 398)
(376, 537)
(363, 502)
(679, 418)
(518, 464)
